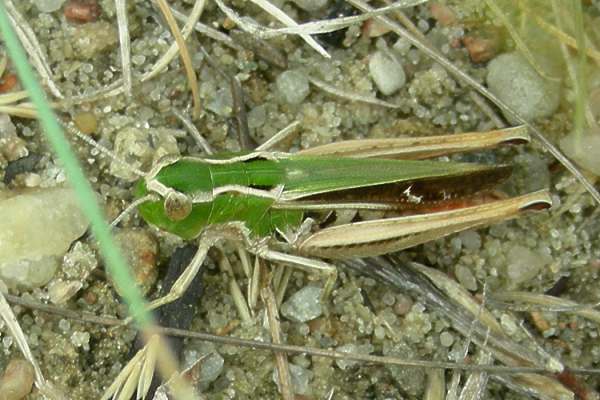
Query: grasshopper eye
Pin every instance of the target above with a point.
(177, 206)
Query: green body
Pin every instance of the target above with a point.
(316, 179)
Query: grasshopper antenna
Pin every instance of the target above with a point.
(106, 152)
(129, 209)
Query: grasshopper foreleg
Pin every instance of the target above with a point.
(184, 281)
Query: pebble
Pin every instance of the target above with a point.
(86, 122)
(304, 305)
(583, 150)
(60, 291)
(523, 264)
(90, 40)
(141, 253)
(300, 378)
(446, 339)
(470, 240)
(532, 172)
(442, 13)
(482, 45)
(140, 147)
(293, 85)
(465, 277)
(212, 366)
(38, 227)
(387, 73)
(514, 81)
(17, 381)
(12, 147)
(403, 304)
(82, 11)
(48, 6)
(355, 349)
(311, 5)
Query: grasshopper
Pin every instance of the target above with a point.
(262, 199)
(278, 204)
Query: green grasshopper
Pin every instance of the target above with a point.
(262, 198)
(271, 201)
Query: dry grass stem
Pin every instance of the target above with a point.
(32, 47)
(521, 45)
(125, 45)
(283, 368)
(184, 54)
(559, 33)
(324, 86)
(290, 349)
(251, 27)
(167, 57)
(194, 132)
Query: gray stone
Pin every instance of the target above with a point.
(212, 366)
(37, 229)
(352, 348)
(304, 305)
(523, 264)
(514, 81)
(387, 73)
(583, 150)
(300, 378)
(48, 6)
(293, 86)
(140, 148)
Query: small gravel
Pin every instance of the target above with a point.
(387, 73)
(514, 81)
(304, 305)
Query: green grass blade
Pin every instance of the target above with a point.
(116, 265)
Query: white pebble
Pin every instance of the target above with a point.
(471, 240)
(37, 229)
(300, 378)
(293, 86)
(48, 6)
(465, 277)
(523, 264)
(304, 305)
(446, 339)
(584, 149)
(514, 81)
(387, 73)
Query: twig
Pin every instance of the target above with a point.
(191, 128)
(274, 11)
(350, 96)
(184, 54)
(290, 349)
(17, 333)
(165, 59)
(208, 31)
(33, 48)
(523, 48)
(124, 44)
(283, 368)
